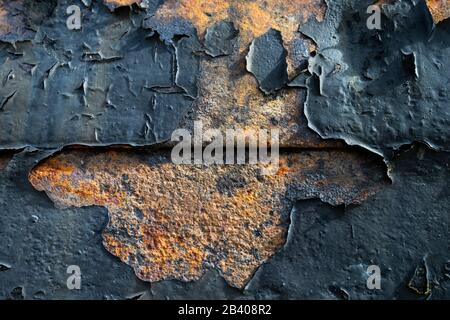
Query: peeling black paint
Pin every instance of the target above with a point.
(133, 81)
(395, 230)
(300, 80)
(267, 61)
(94, 86)
(38, 253)
(380, 89)
(420, 281)
(150, 5)
(169, 30)
(16, 294)
(221, 39)
(4, 267)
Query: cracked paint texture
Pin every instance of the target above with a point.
(140, 69)
(103, 108)
(229, 96)
(394, 92)
(19, 19)
(108, 83)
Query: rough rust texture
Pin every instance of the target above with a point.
(251, 18)
(229, 96)
(440, 9)
(121, 3)
(173, 222)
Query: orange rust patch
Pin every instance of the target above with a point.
(440, 9)
(173, 222)
(251, 18)
(3, 21)
(122, 3)
(230, 97)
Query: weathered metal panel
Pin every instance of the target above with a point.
(97, 86)
(394, 90)
(171, 222)
(139, 69)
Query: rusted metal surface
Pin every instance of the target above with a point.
(251, 18)
(139, 69)
(440, 9)
(230, 98)
(327, 248)
(103, 109)
(229, 95)
(121, 3)
(170, 222)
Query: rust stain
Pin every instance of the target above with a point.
(202, 13)
(173, 222)
(230, 97)
(3, 20)
(440, 9)
(251, 18)
(121, 3)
